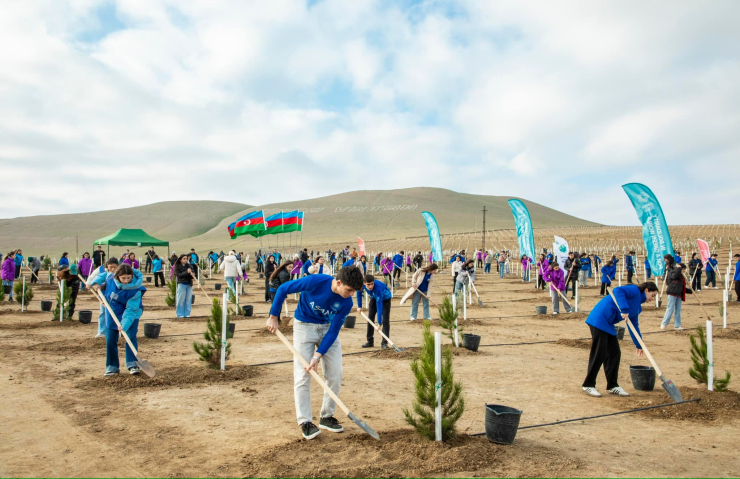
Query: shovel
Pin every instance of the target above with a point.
(480, 303)
(360, 423)
(377, 328)
(144, 365)
(668, 385)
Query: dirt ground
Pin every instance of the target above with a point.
(61, 417)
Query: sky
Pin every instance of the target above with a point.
(108, 104)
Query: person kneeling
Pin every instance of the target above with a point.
(322, 308)
(604, 343)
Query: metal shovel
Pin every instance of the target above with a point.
(377, 328)
(668, 385)
(360, 423)
(480, 303)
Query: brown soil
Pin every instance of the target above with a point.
(174, 377)
(574, 343)
(717, 333)
(285, 327)
(43, 324)
(713, 405)
(25, 313)
(412, 353)
(401, 453)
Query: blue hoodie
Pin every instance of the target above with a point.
(134, 306)
(606, 314)
(606, 274)
(629, 263)
(585, 263)
(18, 259)
(349, 262)
(647, 265)
(711, 262)
(737, 272)
(398, 261)
(379, 293)
(677, 258)
(597, 260)
(318, 304)
(157, 265)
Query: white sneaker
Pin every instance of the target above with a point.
(412, 319)
(662, 326)
(100, 335)
(715, 287)
(134, 371)
(679, 328)
(592, 392)
(555, 312)
(619, 392)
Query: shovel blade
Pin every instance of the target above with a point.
(671, 389)
(399, 350)
(480, 303)
(146, 368)
(364, 426)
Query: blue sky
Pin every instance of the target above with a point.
(556, 102)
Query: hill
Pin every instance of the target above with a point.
(169, 220)
(379, 214)
(373, 215)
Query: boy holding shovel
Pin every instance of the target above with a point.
(380, 305)
(322, 308)
(604, 343)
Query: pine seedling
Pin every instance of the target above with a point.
(210, 351)
(700, 362)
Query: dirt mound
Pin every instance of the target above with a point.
(18, 311)
(713, 405)
(574, 343)
(717, 333)
(174, 377)
(413, 353)
(285, 327)
(43, 324)
(563, 316)
(191, 319)
(402, 453)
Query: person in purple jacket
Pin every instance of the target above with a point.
(8, 274)
(131, 261)
(85, 266)
(556, 278)
(542, 266)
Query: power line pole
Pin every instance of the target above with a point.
(483, 239)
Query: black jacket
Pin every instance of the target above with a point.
(183, 274)
(693, 264)
(574, 266)
(269, 269)
(677, 283)
(98, 257)
(281, 278)
(304, 257)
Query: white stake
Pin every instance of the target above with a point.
(710, 368)
(438, 385)
(465, 309)
(23, 298)
(61, 305)
(725, 297)
(223, 330)
(577, 296)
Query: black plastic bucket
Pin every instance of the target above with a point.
(620, 332)
(643, 377)
(262, 275)
(502, 423)
(541, 310)
(218, 286)
(471, 341)
(151, 330)
(231, 331)
(46, 305)
(248, 310)
(84, 316)
(148, 279)
(349, 323)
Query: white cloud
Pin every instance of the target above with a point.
(481, 97)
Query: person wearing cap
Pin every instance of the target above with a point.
(71, 280)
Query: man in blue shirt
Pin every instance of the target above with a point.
(629, 263)
(380, 305)
(712, 271)
(18, 263)
(397, 266)
(736, 278)
(322, 308)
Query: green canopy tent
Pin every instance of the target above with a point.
(131, 237)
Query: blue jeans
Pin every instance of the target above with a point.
(525, 276)
(487, 269)
(7, 282)
(415, 306)
(184, 300)
(111, 348)
(232, 283)
(101, 320)
(674, 306)
(501, 271)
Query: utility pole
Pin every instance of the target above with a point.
(483, 244)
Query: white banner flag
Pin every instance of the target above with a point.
(560, 250)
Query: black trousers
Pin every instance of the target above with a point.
(737, 291)
(34, 276)
(454, 281)
(17, 271)
(603, 289)
(572, 282)
(159, 277)
(267, 289)
(396, 273)
(696, 284)
(479, 264)
(604, 350)
(541, 282)
(630, 272)
(372, 312)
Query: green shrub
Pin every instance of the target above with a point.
(210, 351)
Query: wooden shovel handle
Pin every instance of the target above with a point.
(377, 328)
(104, 302)
(637, 336)
(428, 298)
(313, 373)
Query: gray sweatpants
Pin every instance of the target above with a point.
(306, 338)
(556, 302)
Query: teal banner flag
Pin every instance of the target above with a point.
(434, 239)
(655, 233)
(524, 232)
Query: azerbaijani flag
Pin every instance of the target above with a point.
(250, 223)
(293, 221)
(274, 225)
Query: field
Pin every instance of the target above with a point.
(62, 418)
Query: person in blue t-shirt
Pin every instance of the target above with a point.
(629, 264)
(380, 306)
(736, 277)
(604, 343)
(712, 271)
(322, 308)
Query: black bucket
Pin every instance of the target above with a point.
(643, 378)
(231, 331)
(192, 299)
(262, 275)
(148, 279)
(248, 310)
(502, 423)
(151, 330)
(217, 286)
(84, 316)
(349, 323)
(620, 332)
(541, 310)
(46, 305)
(471, 341)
